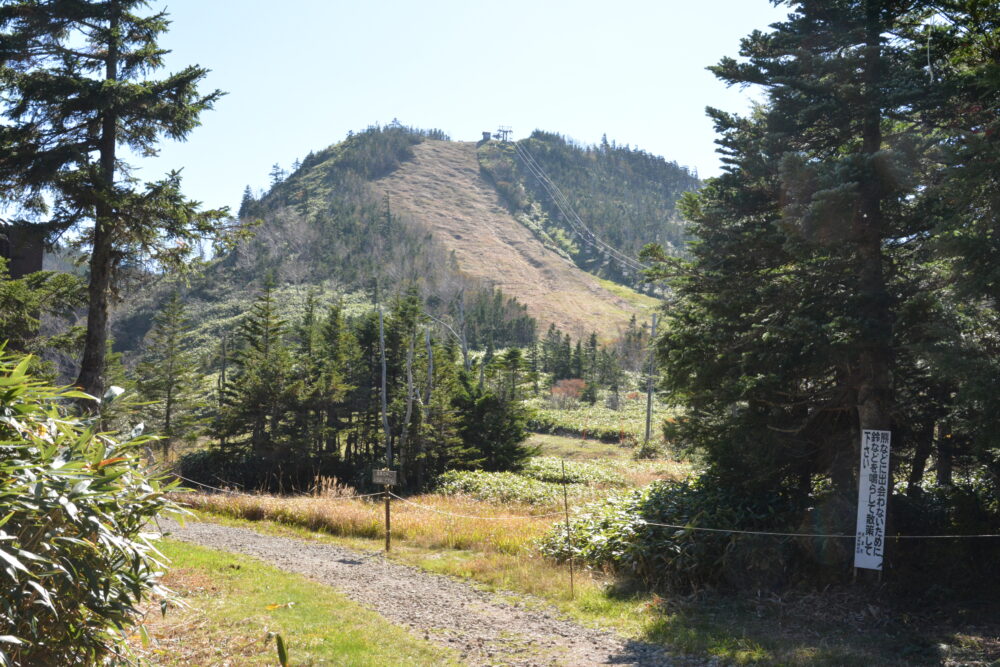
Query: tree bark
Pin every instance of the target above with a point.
(925, 442)
(410, 395)
(91, 378)
(874, 387)
(385, 409)
(945, 456)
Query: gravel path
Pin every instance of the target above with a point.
(517, 630)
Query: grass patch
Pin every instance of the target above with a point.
(235, 605)
(796, 630)
(451, 522)
(641, 302)
(625, 426)
(577, 449)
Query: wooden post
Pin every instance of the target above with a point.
(569, 541)
(388, 521)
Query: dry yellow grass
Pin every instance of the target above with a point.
(442, 188)
(452, 522)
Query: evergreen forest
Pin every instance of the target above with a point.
(664, 403)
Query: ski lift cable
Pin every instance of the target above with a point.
(585, 234)
(557, 194)
(572, 218)
(579, 226)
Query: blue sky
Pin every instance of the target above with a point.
(301, 73)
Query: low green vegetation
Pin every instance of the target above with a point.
(624, 426)
(540, 482)
(506, 487)
(643, 303)
(591, 473)
(615, 535)
(576, 448)
(234, 608)
(75, 560)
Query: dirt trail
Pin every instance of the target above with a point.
(486, 630)
(442, 188)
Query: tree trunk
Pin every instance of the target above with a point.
(874, 387)
(91, 378)
(385, 409)
(410, 394)
(168, 409)
(945, 455)
(925, 442)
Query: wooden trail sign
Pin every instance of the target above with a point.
(384, 477)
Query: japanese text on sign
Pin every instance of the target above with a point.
(384, 477)
(873, 495)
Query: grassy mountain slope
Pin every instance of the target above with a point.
(392, 208)
(625, 196)
(442, 188)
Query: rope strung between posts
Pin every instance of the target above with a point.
(470, 516)
(643, 522)
(255, 495)
(830, 536)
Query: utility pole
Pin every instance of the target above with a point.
(385, 409)
(649, 383)
(222, 380)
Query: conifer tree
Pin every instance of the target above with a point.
(25, 300)
(246, 202)
(256, 394)
(73, 92)
(168, 375)
(794, 327)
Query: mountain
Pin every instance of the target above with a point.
(443, 189)
(394, 208)
(597, 204)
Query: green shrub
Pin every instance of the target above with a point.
(613, 535)
(540, 482)
(75, 559)
(502, 487)
(550, 469)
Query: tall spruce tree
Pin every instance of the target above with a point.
(259, 380)
(168, 375)
(963, 53)
(791, 329)
(73, 92)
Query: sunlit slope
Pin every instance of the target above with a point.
(442, 188)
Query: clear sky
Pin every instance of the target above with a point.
(301, 73)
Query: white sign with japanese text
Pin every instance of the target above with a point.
(873, 496)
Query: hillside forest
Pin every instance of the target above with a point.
(725, 347)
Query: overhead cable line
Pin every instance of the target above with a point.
(572, 218)
(569, 214)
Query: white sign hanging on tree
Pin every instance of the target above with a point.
(873, 497)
